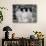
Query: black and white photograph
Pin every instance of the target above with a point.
(25, 13)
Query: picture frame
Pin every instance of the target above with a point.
(24, 13)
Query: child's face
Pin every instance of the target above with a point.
(24, 10)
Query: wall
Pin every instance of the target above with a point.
(23, 29)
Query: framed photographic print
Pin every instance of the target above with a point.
(24, 13)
